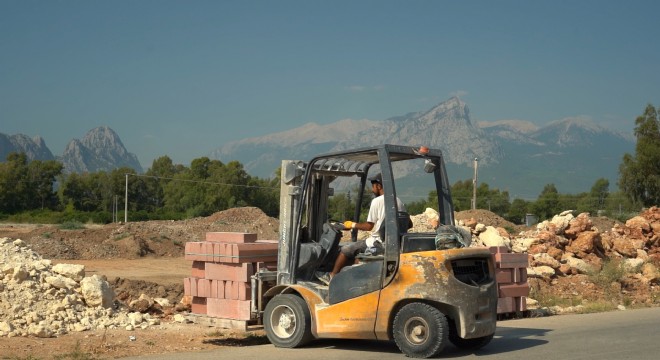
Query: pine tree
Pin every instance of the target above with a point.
(640, 174)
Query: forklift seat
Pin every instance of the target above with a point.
(313, 254)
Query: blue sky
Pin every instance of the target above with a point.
(181, 78)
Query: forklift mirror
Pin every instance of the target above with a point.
(429, 166)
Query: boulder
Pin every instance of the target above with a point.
(580, 223)
(544, 259)
(97, 292)
(585, 243)
(72, 271)
(540, 272)
(624, 247)
(578, 265)
(61, 282)
(491, 237)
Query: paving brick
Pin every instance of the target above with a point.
(217, 289)
(513, 290)
(511, 275)
(198, 269)
(505, 260)
(221, 252)
(193, 286)
(203, 288)
(505, 305)
(254, 252)
(504, 276)
(231, 237)
(186, 287)
(237, 290)
(191, 250)
(228, 309)
(199, 305)
(233, 272)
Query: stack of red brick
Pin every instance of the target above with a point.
(221, 269)
(511, 273)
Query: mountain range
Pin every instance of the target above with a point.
(100, 150)
(513, 155)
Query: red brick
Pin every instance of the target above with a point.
(513, 290)
(186, 287)
(505, 305)
(244, 291)
(232, 272)
(203, 288)
(268, 241)
(520, 275)
(228, 309)
(498, 249)
(255, 252)
(198, 269)
(228, 290)
(231, 237)
(199, 305)
(191, 251)
(193, 286)
(219, 287)
(504, 260)
(504, 276)
(209, 251)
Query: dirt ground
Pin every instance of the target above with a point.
(147, 257)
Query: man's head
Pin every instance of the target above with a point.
(376, 183)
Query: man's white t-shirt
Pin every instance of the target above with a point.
(377, 216)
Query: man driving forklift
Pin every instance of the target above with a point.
(373, 245)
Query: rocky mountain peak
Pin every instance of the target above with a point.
(34, 148)
(100, 149)
(451, 109)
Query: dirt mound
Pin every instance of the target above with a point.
(486, 217)
(142, 239)
(127, 290)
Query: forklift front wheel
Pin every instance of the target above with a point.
(420, 330)
(287, 321)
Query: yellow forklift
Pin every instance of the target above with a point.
(413, 294)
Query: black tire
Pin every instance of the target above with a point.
(420, 330)
(287, 321)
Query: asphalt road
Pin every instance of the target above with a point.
(630, 334)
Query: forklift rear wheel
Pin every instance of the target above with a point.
(420, 330)
(287, 321)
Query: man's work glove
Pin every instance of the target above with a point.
(349, 225)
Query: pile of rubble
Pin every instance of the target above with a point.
(44, 300)
(569, 245)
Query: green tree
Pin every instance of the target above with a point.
(42, 176)
(14, 184)
(518, 211)
(547, 205)
(461, 194)
(639, 175)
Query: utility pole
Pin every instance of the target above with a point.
(474, 185)
(126, 202)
